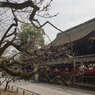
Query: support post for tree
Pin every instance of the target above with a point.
(17, 90)
(23, 92)
(0, 92)
(6, 85)
(36, 75)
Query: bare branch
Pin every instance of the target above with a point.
(47, 22)
(13, 33)
(5, 35)
(18, 5)
(33, 14)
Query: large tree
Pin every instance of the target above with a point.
(12, 14)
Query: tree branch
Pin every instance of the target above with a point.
(18, 5)
(47, 22)
(13, 33)
(10, 27)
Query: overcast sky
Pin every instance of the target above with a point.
(71, 13)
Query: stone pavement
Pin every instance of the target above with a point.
(47, 89)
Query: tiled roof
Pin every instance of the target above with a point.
(75, 33)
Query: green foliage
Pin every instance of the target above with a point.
(31, 37)
(3, 60)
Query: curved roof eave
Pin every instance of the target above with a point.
(74, 33)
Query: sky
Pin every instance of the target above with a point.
(71, 13)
